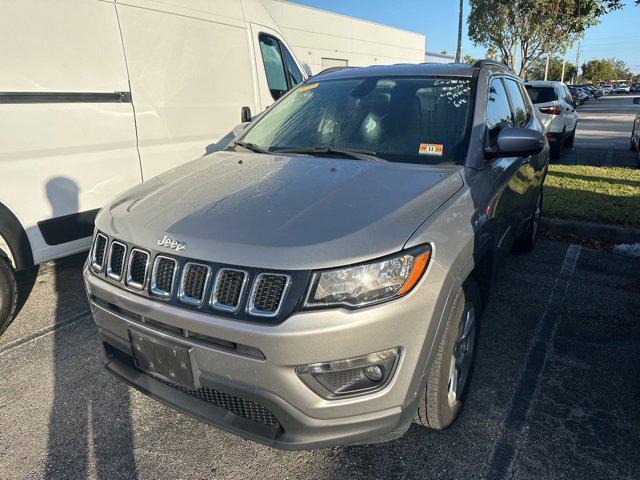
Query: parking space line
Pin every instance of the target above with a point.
(43, 332)
(504, 448)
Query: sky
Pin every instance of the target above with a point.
(617, 35)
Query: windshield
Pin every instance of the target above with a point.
(399, 119)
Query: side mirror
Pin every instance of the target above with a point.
(636, 101)
(516, 142)
(245, 114)
(238, 129)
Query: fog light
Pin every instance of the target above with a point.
(374, 372)
(351, 376)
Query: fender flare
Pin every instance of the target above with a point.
(16, 237)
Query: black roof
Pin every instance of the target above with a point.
(410, 69)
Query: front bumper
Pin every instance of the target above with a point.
(241, 391)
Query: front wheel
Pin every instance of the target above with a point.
(8, 293)
(448, 380)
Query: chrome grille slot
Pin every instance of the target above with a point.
(99, 250)
(163, 276)
(228, 289)
(137, 268)
(268, 293)
(194, 282)
(117, 255)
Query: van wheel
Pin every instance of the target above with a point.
(447, 383)
(526, 242)
(8, 293)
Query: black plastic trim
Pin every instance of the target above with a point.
(65, 97)
(68, 228)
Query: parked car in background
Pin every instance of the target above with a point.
(622, 88)
(606, 88)
(555, 107)
(321, 281)
(592, 91)
(635, 88)
(98, 96)
(579, 96)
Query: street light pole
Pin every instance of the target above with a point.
(459, 49)
(577, 63)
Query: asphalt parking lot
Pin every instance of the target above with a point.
(604, 132)
(555, 393)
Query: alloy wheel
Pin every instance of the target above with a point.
(460, 364)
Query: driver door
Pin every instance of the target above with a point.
(277, 69)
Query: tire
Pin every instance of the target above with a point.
(526, 242)
(556, 147)
(8, 294)
(570, 140)
(439, 404)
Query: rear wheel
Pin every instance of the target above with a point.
(8, 293)
(556, 147)
(447, 383)
(526, 242)
(570, 140)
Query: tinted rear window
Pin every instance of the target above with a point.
(541, 94)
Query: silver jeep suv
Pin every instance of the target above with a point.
(320, 281)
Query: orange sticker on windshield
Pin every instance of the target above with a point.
(431, 149)
(308, 87)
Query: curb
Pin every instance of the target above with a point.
(600, 231)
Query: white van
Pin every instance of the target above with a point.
(99, 95)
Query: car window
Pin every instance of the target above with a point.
(424, 120)
(518, 106)
(293, 72)
(273, 65)
(498, 110)
(542, 94)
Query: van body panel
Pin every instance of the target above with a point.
(184, 74)
(70, 153)
(83, 51)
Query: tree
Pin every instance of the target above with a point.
(468, 59)
(537, 68)
(521, 31)
(605, 69)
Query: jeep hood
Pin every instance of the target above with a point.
(281, 212)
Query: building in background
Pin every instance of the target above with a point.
(322, 39)
(432, 57)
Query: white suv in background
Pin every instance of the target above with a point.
(622, 88)
(556, 109)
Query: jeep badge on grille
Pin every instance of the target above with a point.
(172, 243)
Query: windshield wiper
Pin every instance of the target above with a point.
(251, 147)
(343, 152)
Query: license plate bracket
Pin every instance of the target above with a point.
(161, 359)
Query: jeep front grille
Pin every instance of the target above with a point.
(194, 283)
(163, 276)
(267, 294)
(117, 254)
(137, 269)
(99, 249)
(228, 289)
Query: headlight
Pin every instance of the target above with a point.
(368, 283)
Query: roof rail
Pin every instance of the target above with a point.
(487, 61)
(329, 70)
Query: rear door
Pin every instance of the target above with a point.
(568, 105)
(276, 67)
